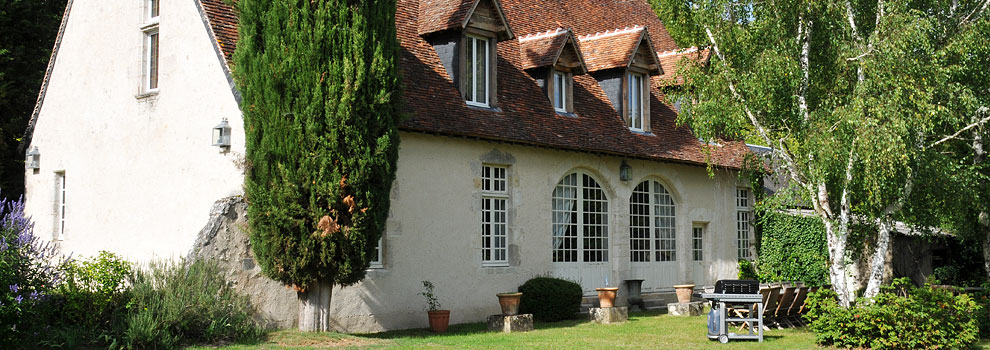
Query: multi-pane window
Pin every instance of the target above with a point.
(635, 93)
(377, 258)
(743, 228)
(651, 220)
(494, 226)
(477, 60)
(697, 243)
(151, 46)
(59, 205)
(560, 84)
(580, 220)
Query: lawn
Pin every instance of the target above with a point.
(643, 331)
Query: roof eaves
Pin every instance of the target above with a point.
(29, 130)
(501, 15)
(645, 35)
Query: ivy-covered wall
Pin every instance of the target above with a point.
(792, 248)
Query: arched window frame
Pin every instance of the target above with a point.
(580, 220)
(652, 223)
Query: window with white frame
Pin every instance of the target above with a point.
(494, 227)
(377, 258)
(743, 228)
(59, 205)
(697, 243)
(151, 46)
(477, 60)
(636, 87)
(580, 220)
(651, 220)
(561, 90)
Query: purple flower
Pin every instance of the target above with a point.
(34, 295)
(14, 288)
(18, 299)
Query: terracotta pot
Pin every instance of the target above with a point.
(509, 303)
(606, 296)
(684, 292)
(439, 319)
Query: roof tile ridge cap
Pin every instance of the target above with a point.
(677, 51)
(599, 35)
(541, 35)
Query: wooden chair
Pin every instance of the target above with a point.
(783, 304)
(770, 293)
(792, 312)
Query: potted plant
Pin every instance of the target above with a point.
(606, 296)
(684, 292)
(439, 319)
(509, 303)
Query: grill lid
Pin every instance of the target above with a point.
(737, 286)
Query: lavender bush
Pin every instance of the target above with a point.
(29, 269)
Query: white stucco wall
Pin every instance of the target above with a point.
(141, 173)
(434, 229)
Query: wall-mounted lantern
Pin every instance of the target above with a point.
(33, 159)
(625, 171)
(221, 135)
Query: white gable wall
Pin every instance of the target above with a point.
(141, 173)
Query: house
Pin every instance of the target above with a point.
(537, 142)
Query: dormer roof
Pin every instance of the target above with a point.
(669, 61)
(620, 48)
(442, 15)
(554, 47)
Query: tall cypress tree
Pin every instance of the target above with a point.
(320, 101)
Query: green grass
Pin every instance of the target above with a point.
(643, 331)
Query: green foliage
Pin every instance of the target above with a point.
(29, 28)
(431, 299)
(321, 99)
(93, 296)
(550, 299)
(982, 297)
(746, 270)
(793, 249)
(176, 303)
(926, 318)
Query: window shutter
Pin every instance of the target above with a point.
(569, 92)
(549, 86)
(646, 102)
(626, 106)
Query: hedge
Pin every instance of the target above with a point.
(793, 248)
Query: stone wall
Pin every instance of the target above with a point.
(225, 239)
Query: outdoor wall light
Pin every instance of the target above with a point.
(221, 135)
(33, 159)
(625, 171)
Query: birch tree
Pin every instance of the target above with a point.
(852, 97)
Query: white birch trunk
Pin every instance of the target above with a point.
(878, 263)
(314, 308)
(837, 264)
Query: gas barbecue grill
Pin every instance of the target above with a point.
(736, 294)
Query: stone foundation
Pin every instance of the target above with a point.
(510, 324)
(607, 315)
(693, 308)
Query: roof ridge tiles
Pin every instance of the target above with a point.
(541, 35)
(607, 33)
(677, 51)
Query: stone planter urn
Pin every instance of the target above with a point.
(635, 297)
(509, 303)
(684, 292)
(606, 296)
(439, 320)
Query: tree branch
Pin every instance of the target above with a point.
(981, 110)
(845, 208)
(976, 12)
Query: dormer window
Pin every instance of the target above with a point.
(638, 94)
(477, 62)
(552, 58)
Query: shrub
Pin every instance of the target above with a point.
(983, 316)
(746, 270)
(550, 299)
(175, 304)
(93, 296)
(925, 318)
(29, 267)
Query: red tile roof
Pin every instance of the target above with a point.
(670, 59)
(611, 49)
(223, 20)
(524, 114)
(543, 49)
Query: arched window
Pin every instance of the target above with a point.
(651, 224)
(580, 220)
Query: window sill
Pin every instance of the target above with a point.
(495, 265)
(566, 114)
(482, 107)
(147, 94)
(641, 132)
(374, 267)
(150, 25)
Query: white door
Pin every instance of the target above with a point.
(580, 241)
(653, 236)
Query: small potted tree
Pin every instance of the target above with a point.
(439, 319)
